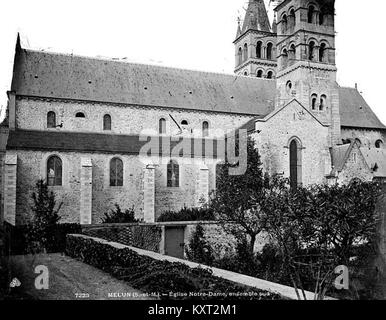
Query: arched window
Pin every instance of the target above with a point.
(379, 144)
(106, 122)
(322, 51)
(321, 18)
(288, 87)
(51, 119)
(240, 56)
(116, 172)
(314, 99)
(295, 164)
(322, 104)
(293, 52)
(245, 73)
(311, 12)
(173, 174)
(162, 126)
(285, 58)
(260, 73)
(269, 50)
(259, 46)
(270, 75)
(54, 171)
(284, 22)
(205, 129)
(80, 115)
(292, 18)
(311, 48)
(245, 53)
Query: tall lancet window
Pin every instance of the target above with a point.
(173, 174)
(295, 164)
(116, 172)
(54, 171)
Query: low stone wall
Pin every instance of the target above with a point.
(144, 236)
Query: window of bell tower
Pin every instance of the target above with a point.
(259, 46)
(311, 13)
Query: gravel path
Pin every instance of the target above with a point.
(68, 277)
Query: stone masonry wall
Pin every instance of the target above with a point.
(147, 237)
(274, 136)
(31, 167)
(32, 115)
(367, 137)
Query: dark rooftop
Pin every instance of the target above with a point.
(52, 75)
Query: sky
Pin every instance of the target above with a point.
(187, 34)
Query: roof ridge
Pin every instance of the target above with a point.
(142, 64)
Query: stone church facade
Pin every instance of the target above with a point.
(80, 122)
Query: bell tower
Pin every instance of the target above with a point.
(306, 59)
(255, 43)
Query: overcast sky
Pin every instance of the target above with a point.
(182, 33)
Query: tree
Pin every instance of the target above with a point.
(320, 227)
(237, 197)
(199, 250)
(119, 216)
(45, 217)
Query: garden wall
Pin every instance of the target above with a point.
(144, 236)
(151, 236)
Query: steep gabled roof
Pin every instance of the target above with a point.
(375, 159)
(256, 17)
(54, 75)
(355, 112)
(339, 156)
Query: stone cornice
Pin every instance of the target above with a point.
(305, 65)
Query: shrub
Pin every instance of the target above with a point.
(150, 275)
(18, 239)
(45, 218)
(199, 249)
(188, 214)
(119, 216)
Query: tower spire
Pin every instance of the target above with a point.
(256, 17)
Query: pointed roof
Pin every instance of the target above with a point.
(256, 17)
(274, 25)
(238, 28)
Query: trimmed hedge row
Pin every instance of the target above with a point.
(154, 276)
(18, 239)
(188, 214)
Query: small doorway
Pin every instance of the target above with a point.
(174, 242)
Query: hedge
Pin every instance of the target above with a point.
(188, 214)
(149, 275)
(17, 243)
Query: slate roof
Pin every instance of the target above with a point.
(52, 75)
(375, 156)
(339, 156)
(91, 142)
(256, 17)
(355, 112)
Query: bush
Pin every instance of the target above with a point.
(24, 240)
(149, 275)
(198, 249)
(185, 214)
(118, 216)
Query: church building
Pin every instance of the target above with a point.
(82, 123)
